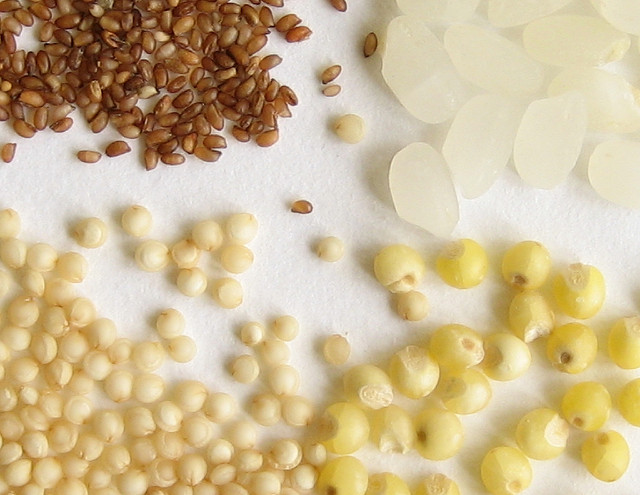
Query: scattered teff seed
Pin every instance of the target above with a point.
(330, 74)
(297, 34)
(7, 152)
(350, 128)
(88, 156)
(301, 206)
(370, 44)
(339, 5)
(332, 90)
(117, 148)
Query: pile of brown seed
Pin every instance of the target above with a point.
(195, 62)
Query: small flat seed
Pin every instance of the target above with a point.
(7, 152)
(151, 158)
(370, 44)
(297, 34)
(172, 159)
(301, 206)
(269, 62)
(267, 138)
(287, 22)
(332, 90)
(117, 148)
(206, 155)
(23, 129)
(62, 125)
(330, 74)
(88, 156)
(339, 5)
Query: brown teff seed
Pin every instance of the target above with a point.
(117, 148)
(151, 158)
(267, 138)
(88, 156)
(7, 152)
(62, 125)
(31, 98)
(172, 159)
(330, 74)
(339, 5)
(370, 44)
(287, 22)
(301, 206)
(297, 34)
(24, 129)
(332, 90)
(206, 154)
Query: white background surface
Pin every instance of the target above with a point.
(347, 185)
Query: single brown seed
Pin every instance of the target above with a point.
(288, 95)
(189, 142)
(301, 206)
(23, 129)
(370, 44)
(40, 118)
(240, 134)
(31, 98)
(117, 148)
(214, 141)
(206, 155)
(129, 131)
(88, 156)
(339, 5)
(287, 22)
(269, 62)
(267, 138)
(266, 17)
(62, 125)
(7, 152)
(330, 74)
(172, 159)
(297, 34)
(168, 147)
(332, 90)
(151, 158)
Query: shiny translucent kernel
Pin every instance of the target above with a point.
(344, 428)
(492, 62)
(462, 264)
(507, 13)
(439, 434)
(526, 265)
(456, 346)
(505, 471)
(418, 71)
(542, 434)
(530, 316)
(413, 372)
(606, 455)
(387, 484)
(624, 342)
(391, 430)
(572, 348)
(464, 391)
(579, 290)
(480, 141)
(574, 40)
(422, 189)
(344, 475)
(587, 405)
(506, 357)
(629, 402)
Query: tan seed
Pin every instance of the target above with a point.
(287, 22)
(23, 129)
(206, 155)
(214, 141)
(62, 125)
(7, 152)
(339, 5)
(267, 138)
(332, 90)
(151, 158)
(88, 156)
(370, 44)
(301, 206)
(297, 34)
(330, 74)
(269, 62)
(172, 159)
(117, 148)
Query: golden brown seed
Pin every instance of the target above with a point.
(214, 141)
(7, 152)
(62, 125)
(88, 156)
(330, 74)
(31, 98)
(117, 148)
(151, 158)
(40, 118)
(370, 44)
(297, 34)
(287, 22)
(269, 62)
(206, 154)
(172, 159)
(339, 5)
(267, 138)
(332, 90)
(301, 206)
(23, 129)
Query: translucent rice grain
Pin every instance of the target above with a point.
(574, 40)
(417, 69)
(610, 99)
(479, 143)
(549, 139)
(614, 172)
(492, 62)
(506, 13)
(444, 11)
(422, 189)
(621, 14)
